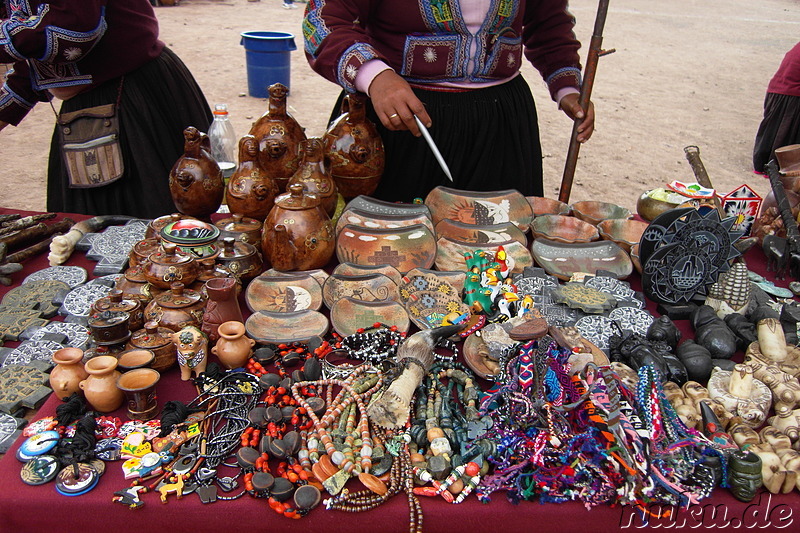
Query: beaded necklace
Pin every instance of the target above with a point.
(375, 344)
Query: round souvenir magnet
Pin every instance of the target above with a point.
(39, 470)
(23, 457)
(40, 444)
(99, 466)
(68, 484)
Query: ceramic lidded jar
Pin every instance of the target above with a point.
(109, 327)
(134, 284)
(298, 233)
(158, 340)
(355, 149)
(278, 135)
(155, 225)
(65, 378)
(142, 250)
(195, 238)
(116, 301)
(314, 175)
(195, 181)
(233, 348)
(241, 259)
(251, 191)
(222, 306)
(242, 228)
(100, 388)
(176, 308)
(169, 266)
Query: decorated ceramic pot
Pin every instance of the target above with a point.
(158, 340)
(222, 306)
(169, 266)
(241, 259)
(142, 250)
(176, 308)
(404, 248)
(355, 149)
(195, 238)
(298, 233)
(133, 284)
(233, 348)
(480, 208)
(154, 226)
(195, 180)
(251, 191)
(278, 135)
(242, 228)
(115, 301)
(314, 175)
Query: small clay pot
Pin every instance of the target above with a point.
(134, 284)
(142, 250)
(100, 388)
(242, 228)
(233, 348)
(65, 378)
(139, 387)
(132, 359)
(109, 327)
(115, 301)
(169, 266)
(157, 340)
(176, 308)
(241, 259)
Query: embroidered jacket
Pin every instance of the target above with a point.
(64, 43)
(427, 41)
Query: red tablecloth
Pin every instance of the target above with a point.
(25, 508)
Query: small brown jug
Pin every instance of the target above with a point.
(251, 192)
(233, 349)
(278, 135)
(195, 180)
(65, 378)
(315, 176)
(100, 388)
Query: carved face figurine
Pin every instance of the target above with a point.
(275, 147)
(694, 390)
(744, 475)
(775, 437)
(743, 435)
(192, 345)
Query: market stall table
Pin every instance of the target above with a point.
(26, 508)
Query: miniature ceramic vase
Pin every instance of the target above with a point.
(100, 388)
(355, 149)
(192, 347)
(278, 135)
(176, 308)
(139, 387)
(233, 348)
(65, 378)
(298, 233)
(222, 306)
(314, 174)
(195, 180)
(251, 192)
(157, 340)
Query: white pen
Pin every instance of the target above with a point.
(434, 149)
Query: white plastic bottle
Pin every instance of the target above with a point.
(223, 141)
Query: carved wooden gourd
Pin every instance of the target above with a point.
(278, 135)
(355, 149)
(195, 181)
(315, 176)
(298, 233)
(251, 192)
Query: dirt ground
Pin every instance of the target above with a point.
(685, 72)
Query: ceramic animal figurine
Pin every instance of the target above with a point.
(741, 393)
(785, 387)
(787, 421)
(195, 180)
(780, 463)
(278, 135)
(251, 192)
(192, 345)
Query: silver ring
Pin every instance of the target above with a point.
(393, 115)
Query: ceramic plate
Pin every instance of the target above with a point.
(352, 269)
(404, 248)
(284, 293)
(368, 288)
(427, 308)
(480, 208)
(450, 254)
(267, 327)
(317, 273)
(562, 259)
(485, 234)
(453, 277)
(349, 314)
(365, 219)
(380, 207)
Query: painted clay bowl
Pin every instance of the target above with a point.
(564, 259)
(594, 212)
(427, 309)
(480, 208)
(358, 217)
(450, 254)
(350, 314)
(654, 202)
(404, 248)
(285, 293)
(368, 204)
(490, 233)
(547, 206)
(316, 273)
(455, 278)
(267, 327)
(418, 281)
(562, 228)
(368, 287)
(625, 232)
(352, 269)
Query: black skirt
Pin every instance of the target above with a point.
(158, 101)
(489, 139)
(780, 127)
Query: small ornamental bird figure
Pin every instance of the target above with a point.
(415, 357)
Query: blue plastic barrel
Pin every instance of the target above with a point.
(268, 59)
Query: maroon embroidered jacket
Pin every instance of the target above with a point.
(427, 41)
(64, 43)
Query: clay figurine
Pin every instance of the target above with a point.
(712, 333)
(314, 175)
(195, 180)
(192, 345)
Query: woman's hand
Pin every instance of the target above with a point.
(570, 106)
(396, 104)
